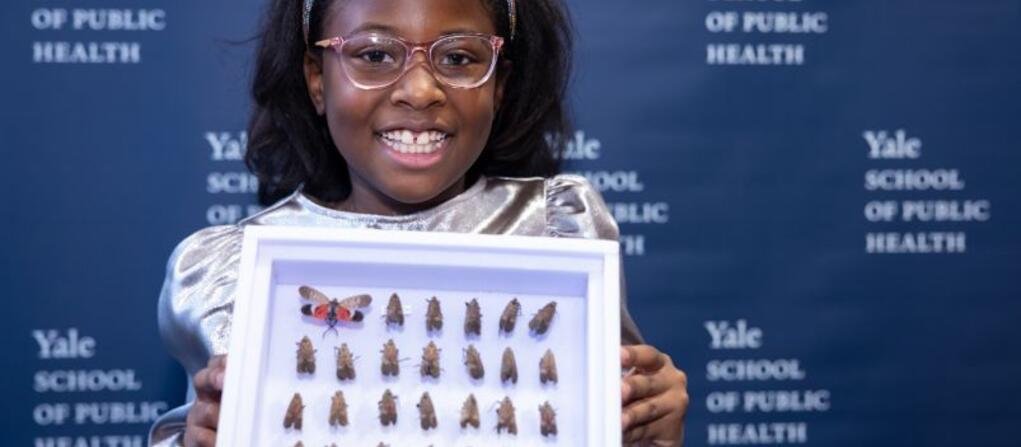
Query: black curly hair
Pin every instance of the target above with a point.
(288, 142)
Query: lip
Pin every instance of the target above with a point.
(414, 161)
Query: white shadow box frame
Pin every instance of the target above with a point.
(582, 276)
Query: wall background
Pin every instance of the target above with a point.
(751, 166)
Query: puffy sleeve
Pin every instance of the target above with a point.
(195, 309)
(575, 209)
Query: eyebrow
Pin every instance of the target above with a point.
(387, 29)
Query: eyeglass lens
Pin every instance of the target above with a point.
(378, 60)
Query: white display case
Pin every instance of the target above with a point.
(581, 276)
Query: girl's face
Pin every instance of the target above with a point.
(367, 124)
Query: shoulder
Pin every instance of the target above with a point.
(573, 207)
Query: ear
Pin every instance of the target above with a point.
(314, 80)
(502, 74)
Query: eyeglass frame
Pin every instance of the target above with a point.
(410, 48)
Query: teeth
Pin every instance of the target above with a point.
(408, 142)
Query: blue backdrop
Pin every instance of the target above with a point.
(819, 201)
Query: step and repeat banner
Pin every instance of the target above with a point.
(818, 202)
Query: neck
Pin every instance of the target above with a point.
(366, 200)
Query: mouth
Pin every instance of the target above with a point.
(408, 142)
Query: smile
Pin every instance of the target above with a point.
(408, 142)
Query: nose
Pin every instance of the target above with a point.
(418, 88)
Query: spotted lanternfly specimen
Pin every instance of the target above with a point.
(394, 311)
(430, 361)
(391, 365)
(345, 363)
(473, 361)
(338, 410)
(293, 416)
(509, 368)
(547, 419)
(433, 315)
(505, 419)
(306, 356)
(548, 368)
(333, 311)
(427, 412)
(470, 412)
(509, 317)
(388, 409)
(540, 323)
(472, 318)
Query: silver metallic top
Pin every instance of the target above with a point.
(197, 300)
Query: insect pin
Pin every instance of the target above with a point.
(509, 317)
(430, 361)
(547, 419)
(333, 311)
(473, 361)
(548, 368)
(509, 367)
(388, 409)
(306, 356)
(345, 363)
(390, 365)
(293, 416)
(427, 412)
(505, 419)
(472, 318)
(540, 323)
(470, 412)
(394, 311)
(433, 316)
(338, 410)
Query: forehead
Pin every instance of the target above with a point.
(417, 20)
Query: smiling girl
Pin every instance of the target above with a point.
(405, 115)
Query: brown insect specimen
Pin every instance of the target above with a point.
(427, 412)
(547, 419)
(390, 366)
(293, 416)
(430, 361)
(473, 361)
(509, 317)
(306, 356)
(388, 409)
(505, 417)
(299, 444)
(473, 318)
(338, 410)
(394, 311)
(433, 316)
(540, 323)
(345, 363)
(548, 368)
(470, 412)
(509, 368)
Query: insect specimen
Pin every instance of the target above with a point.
(299, 444)
(505, 417)
(473, 361)
(470, 412)
(345, 363)
(388, 409)
(547, 419)
(430, 361)
(548, 368)
(509, 368)
(472, 318)
(391, 365)
(509, 317)
(293, 416)
(338, 410)
(427, 412)
(394, 311)
(540, 323)
(306, 356)
(433, 315)
(333, 311)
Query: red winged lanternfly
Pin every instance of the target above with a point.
(333, 311)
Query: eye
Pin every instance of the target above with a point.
(457, 59)
(376, 56)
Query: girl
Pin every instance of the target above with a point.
(410, 115)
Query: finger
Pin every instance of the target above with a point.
(648, 410)
(661, 432)
(643, 357)
(204, 414)
(199, 437)
(640, 386)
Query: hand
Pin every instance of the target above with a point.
(655, 397)
(204, 415)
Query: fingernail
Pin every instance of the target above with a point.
(625, 389)
(625, 420)
(219, 380)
